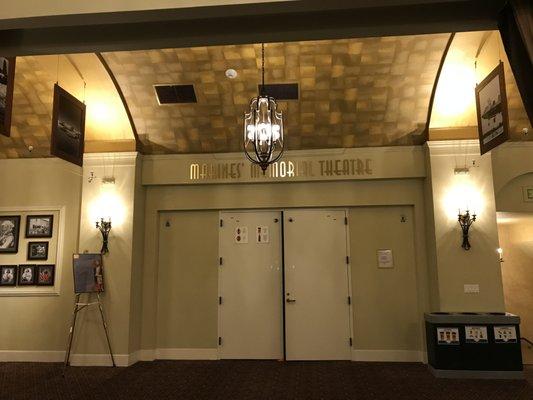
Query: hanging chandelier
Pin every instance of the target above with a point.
(263, 126)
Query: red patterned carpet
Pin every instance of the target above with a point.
(255, 380)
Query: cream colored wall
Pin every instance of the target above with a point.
(516, 240)
(256, 196)
(117, 201)
(455, 266)
(40, 323)
(188, 273)
(386, 306)
(187, 280)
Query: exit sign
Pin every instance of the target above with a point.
(528, 193)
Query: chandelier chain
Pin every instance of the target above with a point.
(262, 68)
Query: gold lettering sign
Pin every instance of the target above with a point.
(285, 169)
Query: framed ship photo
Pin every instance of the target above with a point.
(491, 106)
(68, 126)
(7, 85)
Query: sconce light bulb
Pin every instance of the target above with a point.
(499, 250)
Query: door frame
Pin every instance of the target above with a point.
(282, 214)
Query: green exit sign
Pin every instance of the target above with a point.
(528, 193)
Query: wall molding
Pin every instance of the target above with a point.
(126, 360)
(77, 360)
(388, 355)
(454, 147)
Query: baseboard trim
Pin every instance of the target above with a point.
(186, 354)
(31, 356)
(388, 355)
(76, 360)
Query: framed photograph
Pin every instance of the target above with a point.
(39, 226)
(68, 127)
(45, 275)
(38, 251)
(7, 84)
(8, 275)
(9, 233)
(26, 275)
(491, 105)
(88, 273)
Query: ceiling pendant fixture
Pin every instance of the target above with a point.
(263, 126)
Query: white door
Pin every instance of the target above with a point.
(250, 286)
(317, 310)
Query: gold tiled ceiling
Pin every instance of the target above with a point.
(353, 92)
(32, 112)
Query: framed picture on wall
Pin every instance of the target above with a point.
(7, 84)
(8, 275)
(45, 275)
(39, 226)
(491, 106)
(68, 127)
(9, 233)
(26, 275)
(38, 251)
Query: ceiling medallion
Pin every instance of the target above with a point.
(263, 126)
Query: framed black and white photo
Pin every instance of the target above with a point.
(9, 233)
(88, 273)
(7, 84)
(68, 126)
(38, 251)
(26, 275)
(45, 275)
(8, 275)
(39, 226)
(492, 115)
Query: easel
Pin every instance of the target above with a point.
(78, 306)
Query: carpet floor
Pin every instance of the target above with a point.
(255, 380)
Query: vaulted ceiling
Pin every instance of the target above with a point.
(352, 93)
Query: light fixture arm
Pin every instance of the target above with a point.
(104, 227)
(465, 221)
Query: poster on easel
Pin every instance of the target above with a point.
(88, 271)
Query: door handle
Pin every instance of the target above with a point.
(290, 301)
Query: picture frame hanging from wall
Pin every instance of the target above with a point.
(7, 86)
(68, 127)
(37, 251)
(9, 233)
(26, 275)
(39, 226)
(8, 275)
(45, 275)
(491, 107)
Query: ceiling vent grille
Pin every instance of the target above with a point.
(175, 94)
(281, 91)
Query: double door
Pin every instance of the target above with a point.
(283, 285)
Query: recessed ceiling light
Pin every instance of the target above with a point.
(231, 73)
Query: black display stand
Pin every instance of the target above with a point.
(78, 306)
(474, 345)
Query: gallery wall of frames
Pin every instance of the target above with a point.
(29, 242)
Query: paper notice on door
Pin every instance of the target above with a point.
(505, 334)
(448, 336)
(385, 259)
(476, 334)
(241, 235)
(262, 235)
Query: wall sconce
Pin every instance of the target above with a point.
(499, 250)
(465, 220)
(104, 227)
